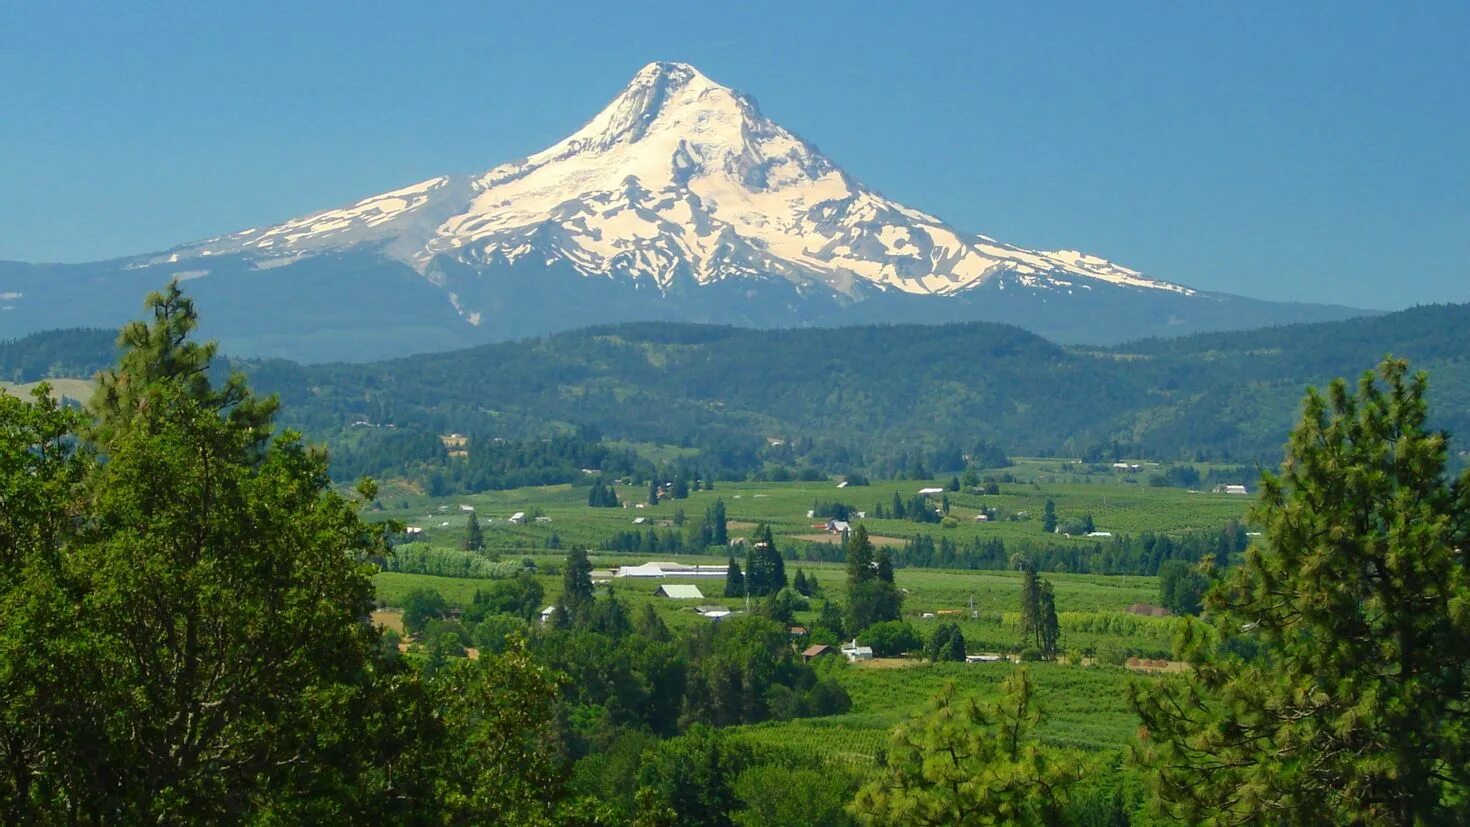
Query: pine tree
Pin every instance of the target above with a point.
(653, 491)
(883, 565)
(871, 594)
(575, 605)
(183, 598)
(1030, 606)
(474, 539)
(1049, 518)
(734, 579)
(765, 571)
(602, 495)
(799, 583)
(1049, 633)
(859, 552)
(681, 486)
(966, 763)
(1334, 689)
(719, 532)
(830, 618)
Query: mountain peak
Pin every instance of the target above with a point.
(680, 176)
(661, 88)
(666, 71)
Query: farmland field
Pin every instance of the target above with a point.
(1084, 704)
(1118, 504)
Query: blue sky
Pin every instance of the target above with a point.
(1316, 152)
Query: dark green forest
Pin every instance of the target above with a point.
(886, 400)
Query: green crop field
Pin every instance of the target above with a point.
(1119, 504)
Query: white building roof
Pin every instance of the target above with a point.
(680, 592)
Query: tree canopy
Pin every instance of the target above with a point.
(1333, 685)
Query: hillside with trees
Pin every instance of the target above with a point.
(887, 400)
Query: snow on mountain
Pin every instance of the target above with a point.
(677, 176)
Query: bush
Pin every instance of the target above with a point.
(891, 637)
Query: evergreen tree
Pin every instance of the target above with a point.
(575, 604)
(765, 571)
(954, 483)
(178, 617)
(653, 491)
(800, 584)
(1049, 634)
(1181, 587)
(883, 565)
(474, 539)
(681, 486)
(1031, 620)
(602, 495)
(1049, 517)
(947, 643)
(718, 527)
(734, 580)
(830, 618)
(1334, 689)
(858, 550)
(964, 763)
(871, 594)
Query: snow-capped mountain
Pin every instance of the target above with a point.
(679, 175)
(678, 200)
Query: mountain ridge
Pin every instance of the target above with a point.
(847, 398)
(678, 200)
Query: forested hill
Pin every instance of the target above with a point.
(77, 352)
(869, 397)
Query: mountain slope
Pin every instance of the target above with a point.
(856, 394)
(857, 397)
(678, 201)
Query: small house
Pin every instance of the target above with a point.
(855, 653)
(1231, 489)
(838, 527)
(679, 592)
(518, 518)
(543, 519)
(798, 631)
(546, 615)
(819, 650)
